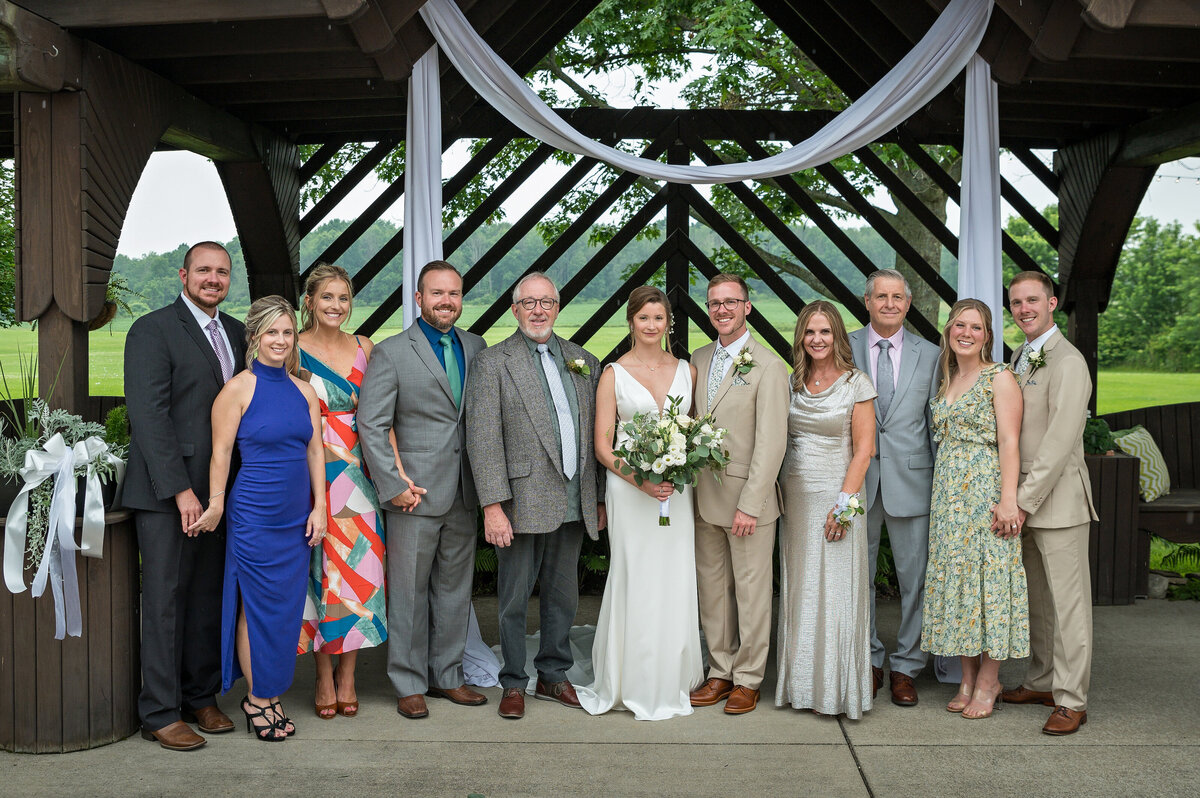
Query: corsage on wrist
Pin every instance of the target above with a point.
(848, 505)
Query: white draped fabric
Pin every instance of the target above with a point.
(979, 274)
(945, 50)
(422, 176)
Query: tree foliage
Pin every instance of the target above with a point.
(8, 299)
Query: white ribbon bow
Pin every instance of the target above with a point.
(57, 461)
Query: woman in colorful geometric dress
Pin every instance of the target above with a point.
(346, 609)
(976, 599)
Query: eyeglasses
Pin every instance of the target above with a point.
(728, 304)
(529, 304)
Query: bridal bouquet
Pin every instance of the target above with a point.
(671, 447)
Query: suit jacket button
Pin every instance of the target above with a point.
(882, 430)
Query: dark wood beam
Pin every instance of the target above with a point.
(202, 71)
(1139, 44)
(1167, 137)
(35, 55)
(97, 14)
(1117, 14)
(359, 172)
(1058, 32)
(374, 31)
(1037, 167)
(1116, 72)
(225, 39)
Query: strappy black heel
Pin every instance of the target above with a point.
(281, 720)
(267, 733)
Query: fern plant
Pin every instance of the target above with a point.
(1179, 558)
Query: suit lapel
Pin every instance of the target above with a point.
(908, 367)
(193, 331)
(730, 374)
(420, 345)
(520, 365)
(858, 348)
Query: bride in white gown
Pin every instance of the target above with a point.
(646, 653)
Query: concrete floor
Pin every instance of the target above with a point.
(1142, 739)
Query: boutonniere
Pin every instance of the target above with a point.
(579, 366)
(744, 362)
(1036, 360)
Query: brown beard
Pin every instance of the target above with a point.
(431, 320)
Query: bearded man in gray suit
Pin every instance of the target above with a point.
(530, 416)
(903, 367)
(413, 388)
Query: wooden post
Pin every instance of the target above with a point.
(1083, 327)
(63, 361)
(677, 262)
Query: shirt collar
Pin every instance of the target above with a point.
(734, 349)
(873, 338)
(551, 343)
(202, 318)
(433, 334)
(1037, 343)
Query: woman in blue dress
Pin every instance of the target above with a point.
(276, 513)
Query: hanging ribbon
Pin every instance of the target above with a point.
(58, 462)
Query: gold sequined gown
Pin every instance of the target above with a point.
(824, 648)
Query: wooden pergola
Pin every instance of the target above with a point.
(1112, 86)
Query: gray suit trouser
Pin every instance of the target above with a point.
(910, 549)
(430, 565)
(552, 560)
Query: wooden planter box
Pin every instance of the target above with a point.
(1119, 551)
(79, 692)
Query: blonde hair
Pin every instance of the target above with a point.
(262, 314)
(645, 295)
(843, 357)
(947, 362)
(321, 274)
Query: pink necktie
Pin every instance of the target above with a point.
(222, 355)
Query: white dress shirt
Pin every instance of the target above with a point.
(895, 352)
(203, 319)
(734, 349)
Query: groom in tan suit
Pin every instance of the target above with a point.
(735, 518)
(1055, 500)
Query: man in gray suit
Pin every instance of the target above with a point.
(903, 367)
(530, 413)
(414, 388)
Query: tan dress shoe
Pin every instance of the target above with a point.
(459, 695)
(904, 692)
(1023, 695)
(412, 706)
(741, 701)
(211, 720)
(711, 692)
(1064, 721)
(512, 704)
(177, 736)
(562, 692)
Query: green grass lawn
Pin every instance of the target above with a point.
(1118, 390)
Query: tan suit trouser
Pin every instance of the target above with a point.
(735, 580)
(1060, 612)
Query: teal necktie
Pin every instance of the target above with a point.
(452, 368)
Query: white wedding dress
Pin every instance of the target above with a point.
(646, 653)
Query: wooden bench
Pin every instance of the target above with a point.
(1176, 429)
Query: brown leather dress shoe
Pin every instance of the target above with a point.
(1023, 695)
(876, 681)
(562, 692)
(904, 692)
(741, 701)
(459, 695)
(711, 692)
(412, 706)
(512, 703)
(177, 736)
(1064, 721)
(211, 720)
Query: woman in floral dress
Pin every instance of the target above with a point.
(976, 600)
(346, 609)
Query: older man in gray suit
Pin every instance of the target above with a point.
(530, 413)
(414, 389)
(903, 367)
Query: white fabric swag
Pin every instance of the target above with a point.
(933, 63)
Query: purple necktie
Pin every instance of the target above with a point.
(222, 355)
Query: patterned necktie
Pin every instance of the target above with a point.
(219, 347)
(566, 426)
(1023, 358)
(451, 368)
(717, 374)
(885, 383)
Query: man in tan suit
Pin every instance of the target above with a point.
(1055, 499)
(735, 518)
